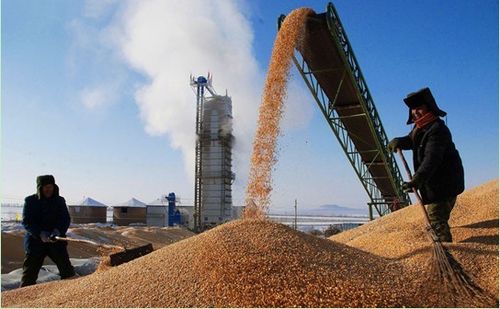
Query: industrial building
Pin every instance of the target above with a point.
(157, 212)
(187, 215)
(237, 212)
(88, 211)
(213, 167)
(131, 211)
(163, 212)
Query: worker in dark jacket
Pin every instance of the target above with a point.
(45, 216)
(439, 174)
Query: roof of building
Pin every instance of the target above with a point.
(161, 201)
(90, 202)
(133, 202)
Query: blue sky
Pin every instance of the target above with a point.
(76, 100)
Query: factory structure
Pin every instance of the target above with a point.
(213, 204)
(163, 212)
(213, 167)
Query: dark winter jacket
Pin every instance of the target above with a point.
(42, 214)
(436, 161)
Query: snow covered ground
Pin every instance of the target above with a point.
(84, 256)
(9, 226)
(48, 273)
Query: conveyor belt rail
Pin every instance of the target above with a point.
(382, 203)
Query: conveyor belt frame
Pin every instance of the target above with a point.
(351, 69)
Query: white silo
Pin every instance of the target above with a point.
(216, 140)
(213, 174)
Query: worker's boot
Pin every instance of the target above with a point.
(442, 231)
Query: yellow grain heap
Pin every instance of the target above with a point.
(474, 226)
(240, 264)
(254, 263)
(271, 108)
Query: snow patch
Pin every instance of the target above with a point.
(48, 273)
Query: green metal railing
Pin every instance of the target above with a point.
(328, 107)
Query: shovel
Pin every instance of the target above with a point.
(125, 255)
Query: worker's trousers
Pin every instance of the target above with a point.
(33, 262)
(439, 214)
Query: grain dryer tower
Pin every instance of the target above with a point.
(213, 175)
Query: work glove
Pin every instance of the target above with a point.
(45, 236)
(408, 186)
(55, 233)
(393, 145)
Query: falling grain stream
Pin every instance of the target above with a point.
(264, 154)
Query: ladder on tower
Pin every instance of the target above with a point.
(330, 70)
(200, 84)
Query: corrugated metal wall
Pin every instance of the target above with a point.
(216, 163)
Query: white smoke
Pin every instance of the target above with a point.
(97, 8)
(226, 127)
(166, 41)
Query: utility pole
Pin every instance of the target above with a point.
(295, 221)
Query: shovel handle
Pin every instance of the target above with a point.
(87, 242)
(419, 199)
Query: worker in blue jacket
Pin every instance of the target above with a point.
(45, 216)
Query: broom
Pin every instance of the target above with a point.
(449, 271)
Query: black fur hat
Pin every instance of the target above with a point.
(422, 97)
(46, 180)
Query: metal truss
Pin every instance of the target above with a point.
(351, 70)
